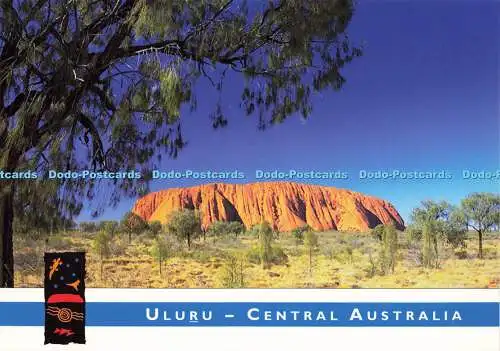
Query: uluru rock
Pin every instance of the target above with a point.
(285, 205)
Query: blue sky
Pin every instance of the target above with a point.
(423, 97)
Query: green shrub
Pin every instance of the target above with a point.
(222, 229)
(372, 268)
(378, 232)
(413, 234)
(277, 255)
(455, 235)
(389, 249)
(343, 254)
(110, 227)
(430, 250)
(298, 233)
(232, 274)
(100, 244)
(161, 251)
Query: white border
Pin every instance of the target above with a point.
(266, 295)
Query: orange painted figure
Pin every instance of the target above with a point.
(75, 284)
(54, 267)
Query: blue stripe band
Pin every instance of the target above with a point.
(280, 314)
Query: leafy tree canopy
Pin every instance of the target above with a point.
(481, 211)
(100, 84)
(132, 223)
(184, 224)
(441, 219)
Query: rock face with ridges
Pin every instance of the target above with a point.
(285, 205)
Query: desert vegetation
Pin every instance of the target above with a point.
(439, 248)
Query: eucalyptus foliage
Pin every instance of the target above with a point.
(481, 212)
(101, 84)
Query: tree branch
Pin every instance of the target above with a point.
(97, 145)
(103, 97)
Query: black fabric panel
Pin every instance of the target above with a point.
(64, 297)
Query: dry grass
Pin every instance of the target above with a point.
(334, 266)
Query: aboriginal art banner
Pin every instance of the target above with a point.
(64, 297)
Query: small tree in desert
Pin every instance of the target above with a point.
(311, 244)
(233, 272)
(433, 222)
(216, 229)
(481, 212)
(266, 236)
(185, 225)
(133, 224)
(161, 250)
(298, 233)
(101, 247)
(111, 227)
(430, 252)
(389, 249)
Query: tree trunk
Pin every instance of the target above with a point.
(480, 234)
(6, 245)
(189, 242)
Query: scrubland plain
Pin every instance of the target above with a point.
(341, 260)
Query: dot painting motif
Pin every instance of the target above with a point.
(64, 297)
